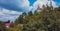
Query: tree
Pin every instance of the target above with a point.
(24, 14)
(20, 19)
(17, 21)
(45, 21)
(30, 13)
(2, 26)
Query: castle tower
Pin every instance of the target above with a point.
(50, 2)
(43, 6)
(51, 5)
(38, 9)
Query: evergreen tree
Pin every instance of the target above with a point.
(24, 14)
(20, 19)
(30, 13)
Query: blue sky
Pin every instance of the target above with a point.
(11, 9)
(57, 2)
(32, 2)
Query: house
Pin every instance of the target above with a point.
(7, 24)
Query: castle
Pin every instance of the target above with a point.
(44, 7)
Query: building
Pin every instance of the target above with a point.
(38, 10)
(7, 24)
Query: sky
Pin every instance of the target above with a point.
(11, 9)
(57, 2)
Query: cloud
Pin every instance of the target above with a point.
(13, 8)
(17, 5)
(44, 2)
(22, 5)
(9, 15)
(41, 3)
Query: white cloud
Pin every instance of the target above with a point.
(9, 15)
(41, 3)
(15, 4)
(12, 15)
(25, 4)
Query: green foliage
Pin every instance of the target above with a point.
(30, 13)
(2, 27)
(46, 20)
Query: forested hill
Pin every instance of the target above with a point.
(46, 20)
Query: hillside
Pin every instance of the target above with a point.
(46, 20)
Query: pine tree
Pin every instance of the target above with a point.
(30, 13)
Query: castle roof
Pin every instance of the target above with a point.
(38, 8)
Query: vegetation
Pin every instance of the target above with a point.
(46, 20)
